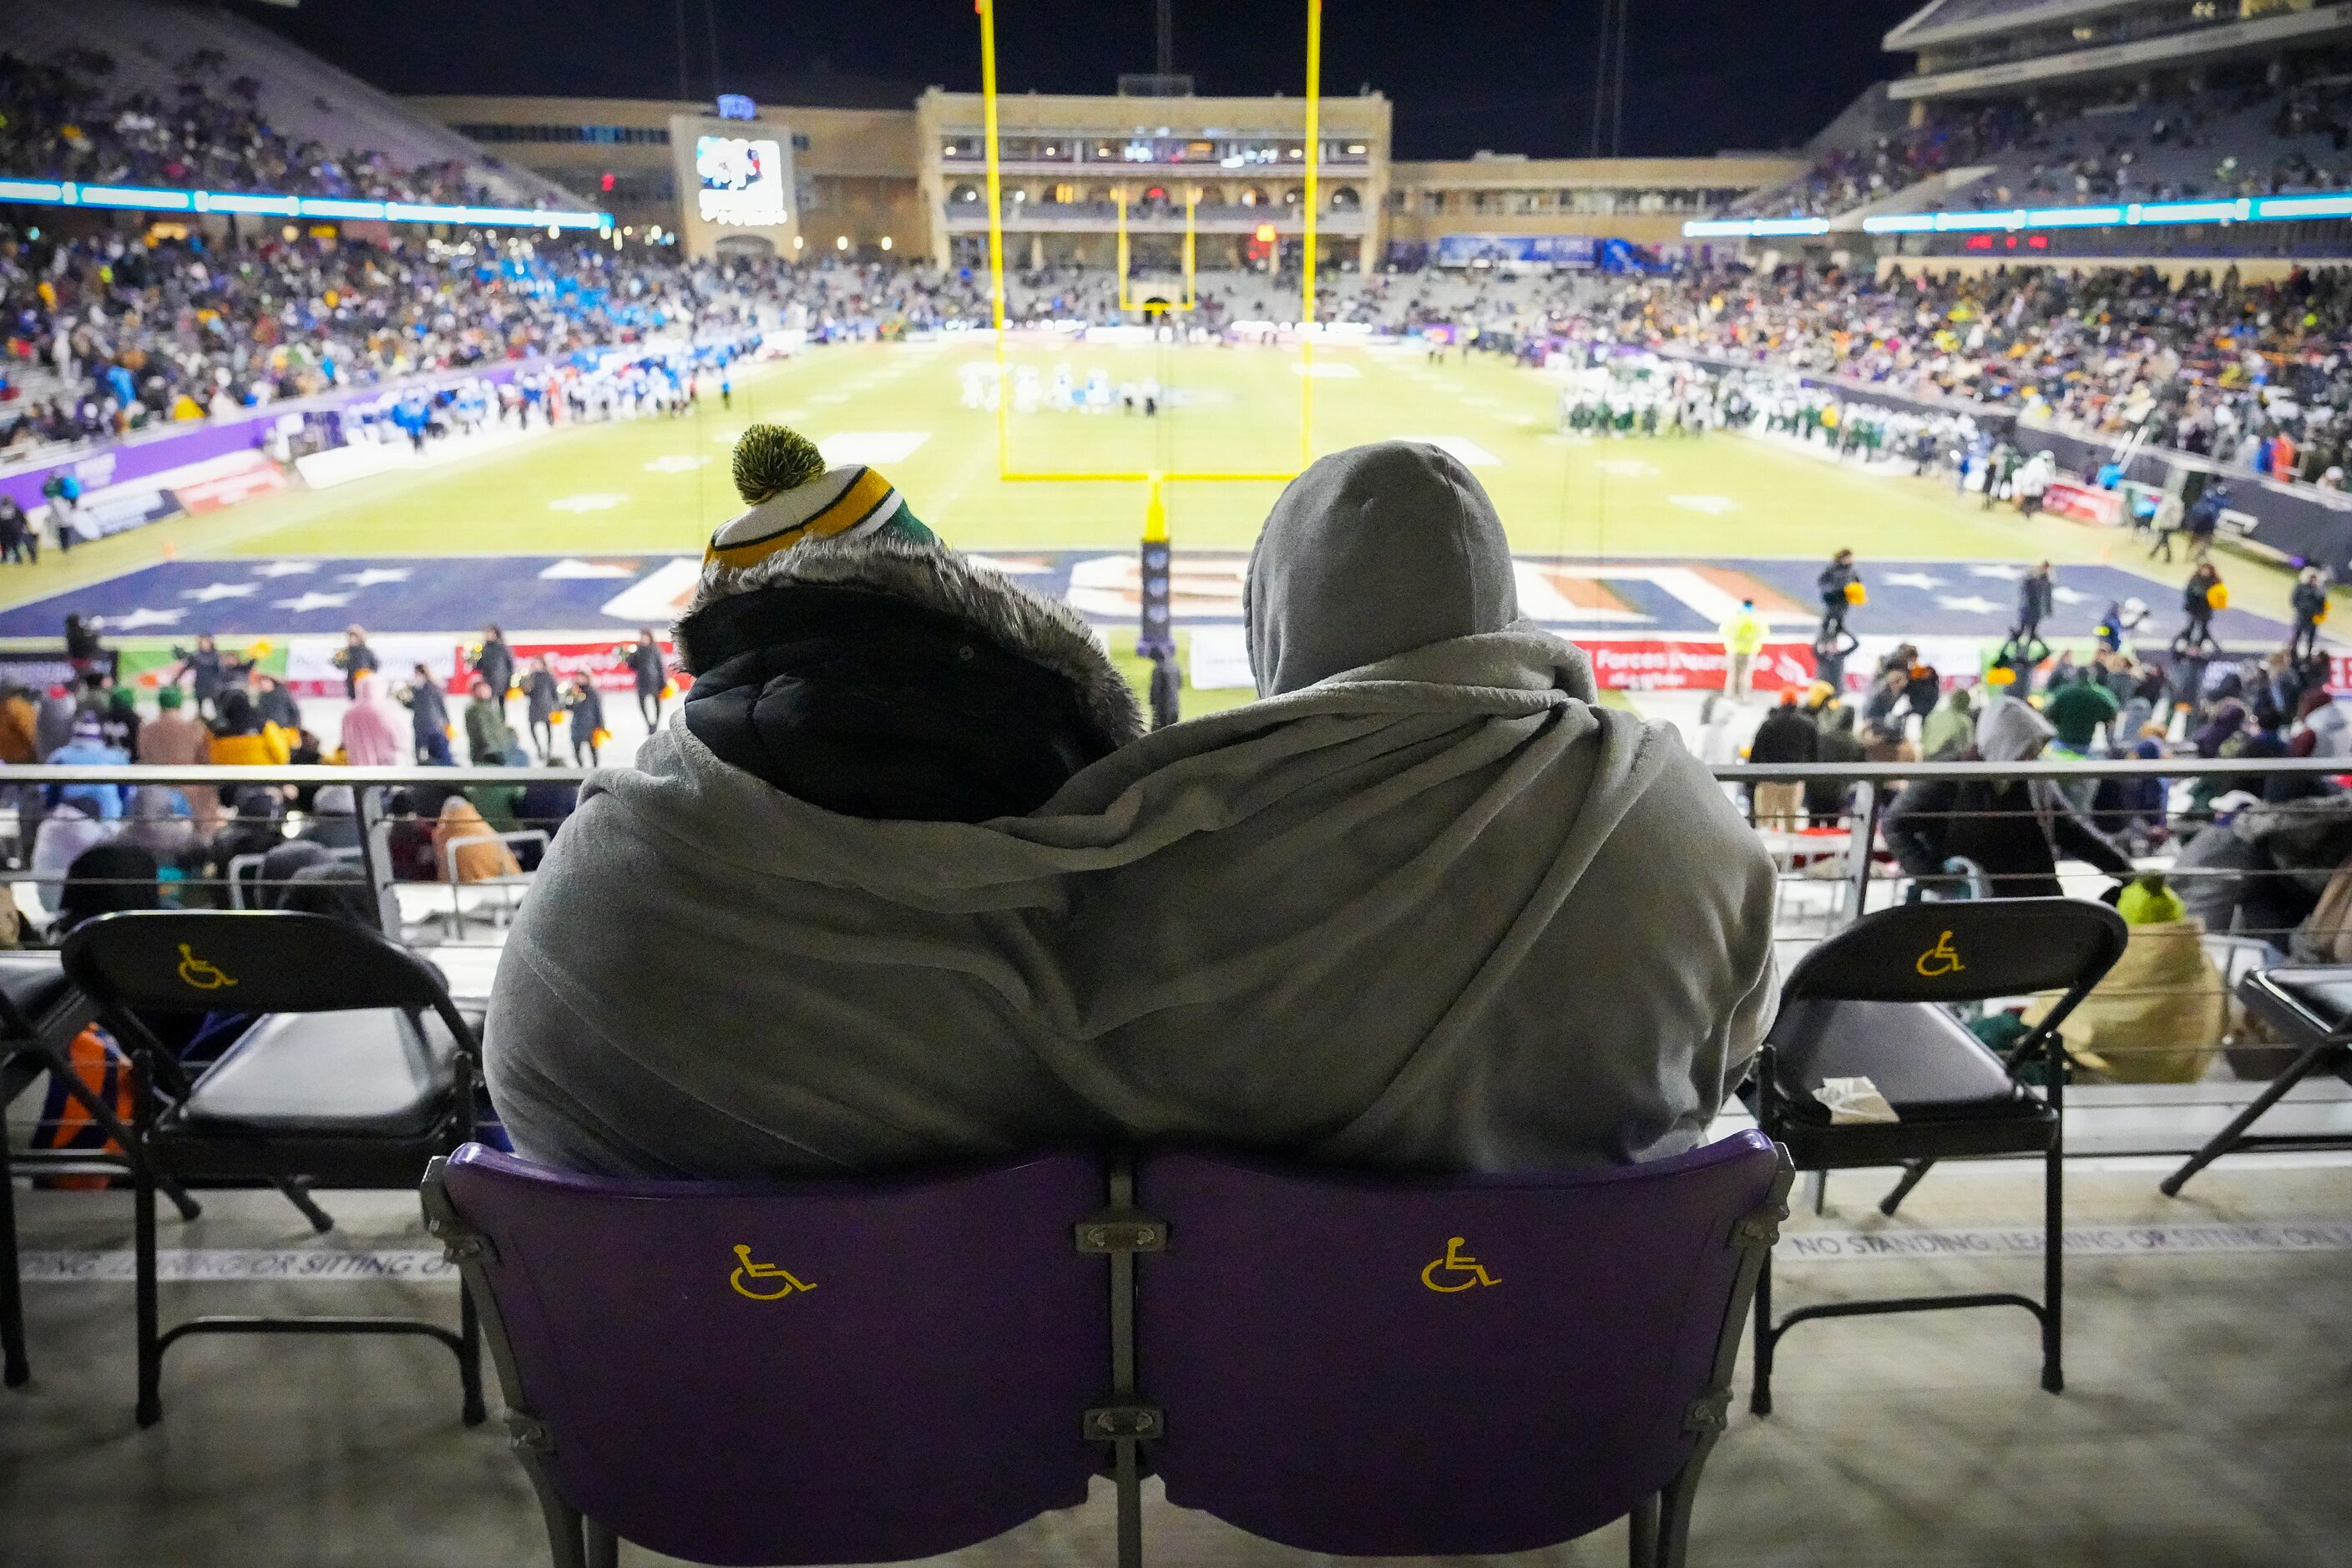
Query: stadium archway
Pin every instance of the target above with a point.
(746, 246)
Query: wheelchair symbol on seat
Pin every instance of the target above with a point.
(200, 975)
(1940, 960)
(751, 1270)
(1457, 1261)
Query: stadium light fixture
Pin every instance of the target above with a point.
(156, 198)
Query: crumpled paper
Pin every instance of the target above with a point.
(1851, 1099)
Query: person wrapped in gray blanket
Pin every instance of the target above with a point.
(1427, 905)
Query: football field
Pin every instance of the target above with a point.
(597, 525)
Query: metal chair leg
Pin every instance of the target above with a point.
(19, 1369)
(2227, 1138)
(1760, 1394)
(150, 1351)
(1642, 1534)
(603, 1546)
(1914, 1172)
(469, 1356)
(2053, 1264)
(296, 1192)
(1819, 1181)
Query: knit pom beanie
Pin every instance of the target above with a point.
(794, 498)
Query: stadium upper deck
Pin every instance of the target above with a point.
(2096, 129)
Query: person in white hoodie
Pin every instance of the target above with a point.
(1427, 906)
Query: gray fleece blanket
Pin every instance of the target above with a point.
(1443, 912)
(1438, 910)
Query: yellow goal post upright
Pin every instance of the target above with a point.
(1156, 557)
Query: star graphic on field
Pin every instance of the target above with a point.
(137, 618)
(368, 577)
(1971, 603)
(2005, 574)
(314, 600)
(1920, 580)
(212, 591)
(2069, 595)
(284, 568)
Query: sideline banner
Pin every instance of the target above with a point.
(1669, 664)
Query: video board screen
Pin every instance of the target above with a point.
(742, 180)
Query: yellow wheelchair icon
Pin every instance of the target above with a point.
(1941, 959)
(751, 1270)
(197, 973)
(1457, 1261)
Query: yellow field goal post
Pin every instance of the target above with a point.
(1155, 510)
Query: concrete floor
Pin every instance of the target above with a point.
(2208, 1421)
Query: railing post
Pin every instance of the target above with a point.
(376, 860)
(1865, 840)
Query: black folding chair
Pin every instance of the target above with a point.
(2310, 1006)
(1871, 1002)
(361, 1100)
(40, 1014)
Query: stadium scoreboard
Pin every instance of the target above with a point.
(736, 178)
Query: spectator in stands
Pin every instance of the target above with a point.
(88, 748)
(273, 702)
(862, 697)
(53, 723)
(1126, 957)
(241, 737)
(465, 848)
(1827, 800)
(257, 826)
(428, 717)
(490, 744)
(371, 734)
(651, 673)
(1950, 730)
(19, 724)
(334, 818)
(66, 832)
(105, 880)
(172, 739)
(2078, 709)
(2012, 829)
(1788, 734)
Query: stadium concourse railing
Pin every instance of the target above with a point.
(429, 874)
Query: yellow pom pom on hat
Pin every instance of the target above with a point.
(794, 498)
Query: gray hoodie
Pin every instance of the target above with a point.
(1425, 906)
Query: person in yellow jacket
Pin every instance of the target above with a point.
(242, 738)
(1743, 639)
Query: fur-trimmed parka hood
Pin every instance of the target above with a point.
(884, 678)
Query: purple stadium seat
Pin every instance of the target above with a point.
(829, 1372)
(1447, 1367)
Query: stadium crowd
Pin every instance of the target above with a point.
(58, 120)
(2153, 139)
(2212, 363)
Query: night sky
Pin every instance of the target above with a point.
(1701, 76)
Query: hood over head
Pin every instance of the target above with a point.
(2011, 731)
(883, 677)
(1372, 552)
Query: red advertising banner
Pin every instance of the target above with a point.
(1667, 664)
(210, 494)
(2083, 504)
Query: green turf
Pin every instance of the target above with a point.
(1233, 408)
